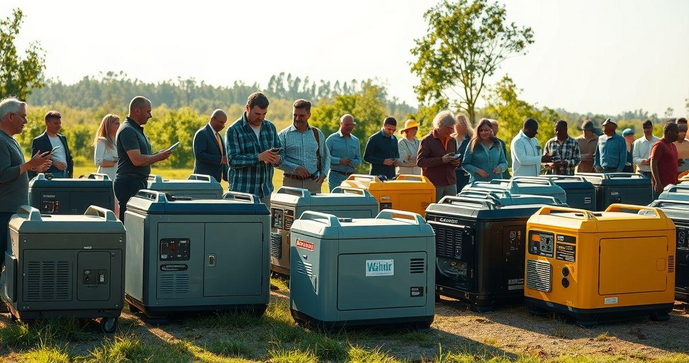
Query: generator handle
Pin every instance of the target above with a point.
(623, 175)
(531, 179)
(151, 195)
(299, 192)
(388, 214)
(98, 176)
(351, 190)
(32, 214)
(661, 203)
(241, 196)
(565, 177)
(107, 214)
(674, 188)
(155, 178)
(618, 207)
(420, 178)
(201, 177)
(363, 177)
(319, 216)
(490, 203)
(546, 210)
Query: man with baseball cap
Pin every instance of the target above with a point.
(611, 152)
(628, 135)
(642, 149)
(588, 142)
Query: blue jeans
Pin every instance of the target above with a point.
(335, 179)
(60, 174)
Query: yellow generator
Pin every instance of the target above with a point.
(412, 193)
(600, 266)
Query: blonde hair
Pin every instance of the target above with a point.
(477, 135)
(463, 120)
(104, 130)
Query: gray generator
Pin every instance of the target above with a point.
(198, 186)
(370, 271)
(70, 196)
(65, 266)
(288, 203)
(195, 255)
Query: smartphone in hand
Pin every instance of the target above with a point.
(55, 149)
(276, 149)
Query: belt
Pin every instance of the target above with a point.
(297, 177)
(341, 172)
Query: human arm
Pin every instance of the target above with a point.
(287, 166)
(636, 153)
(576, 155)
(597, 159)
(369, 152)
(330, 143)
(502, 161)
(325, 155)
(9, 173)
(238, 158)
(424, 158)
(407, 159)
(656, 154)
(70, 160)
(623, 157)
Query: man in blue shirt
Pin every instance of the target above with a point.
(345, 155)
(381, 150)
(611, 152)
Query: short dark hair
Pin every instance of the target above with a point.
(302, 104)
(561, 123)
(668, 125)
(648, 123)
(52, 115)
(529, 123)
(681, 120)
(390, 121)
(257, 99)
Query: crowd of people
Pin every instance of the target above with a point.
(451, 155)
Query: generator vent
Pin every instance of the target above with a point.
(539, 275)
(174, 284)
(417, 266)
(288, 222)
(671, 263)
(48, 280)
(448, 241)
(276, 245)
(304, 268)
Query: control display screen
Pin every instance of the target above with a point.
(175, 249)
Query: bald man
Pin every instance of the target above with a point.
(345, 153)
(209, 148)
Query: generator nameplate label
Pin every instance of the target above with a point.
(610, 300)
(380, 268)
(566, 239)
(175, 267)
(304, 245)
(565, 252)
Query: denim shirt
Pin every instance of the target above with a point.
(485, 158)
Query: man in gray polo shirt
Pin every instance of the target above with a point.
(134, 151)
(14, 180)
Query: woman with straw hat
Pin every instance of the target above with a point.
(409, 147)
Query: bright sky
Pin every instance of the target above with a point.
(599, 56)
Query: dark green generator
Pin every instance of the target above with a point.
(520, 185)
(480, 245)
(65, 266)
(581, 193)
(198, 186)
(195, 255)
(626, 188)
(70, 196)
(368, 271)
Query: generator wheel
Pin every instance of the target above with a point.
(133, 309)
(109, 325)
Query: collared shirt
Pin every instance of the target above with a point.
(486, 159)
(526, 155)
(247, 174)
(130, 136)
(378, 148)
(566, 151)
(14, 186)
(299, 149)
(587, 149)
(642, 151)
(665, 153)
(611, 153)
(340, 147)
(408, 149)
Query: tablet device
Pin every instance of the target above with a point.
(173, 146)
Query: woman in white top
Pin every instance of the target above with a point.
(105, 155)
(409, 147)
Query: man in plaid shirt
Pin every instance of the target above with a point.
(564, 151)
(253, 150)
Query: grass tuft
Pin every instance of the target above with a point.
(231, 348)
(121, 348)
(280, 355)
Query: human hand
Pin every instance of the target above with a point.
(302, 172)
(38, 160)
(345, 161)
(657, 187)
(497, 170)
(389, 162)
(163, 154)
(269, 157)
(60, 165)
(456, 162)
(397, 162)
(224, 160)
(43, 167)
(448, 157)
(482, 173)
(546, 158)
(646, 162)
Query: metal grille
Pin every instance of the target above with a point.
(539, 275)
(671, 264)
(276, 245)
(174, 284)
(48, 281)
(304, 268)
(448, 241)
(417, 266)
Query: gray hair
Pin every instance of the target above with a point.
(10, 105)
(444, 119)
(218, 113)
(345, 116)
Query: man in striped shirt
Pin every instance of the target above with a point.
(253, 150)
(564, 151)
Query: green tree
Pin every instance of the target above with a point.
(466, 42)
(18, 77)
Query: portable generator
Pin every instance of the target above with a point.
(581, 193)
(480, 239)
(626, 188)
(65, 266)
(194, 255)
(371, 271)
(198, 186)
(70, 196)
(289, 203)
(600, 266)
(522, 186)
(413, 193)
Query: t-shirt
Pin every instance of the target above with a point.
(257, 130)
(665, 153)
(14, 186)
(130, 136)
(60, 154)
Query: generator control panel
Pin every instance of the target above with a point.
(50, 206)
(541, 243)
(174, 249)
